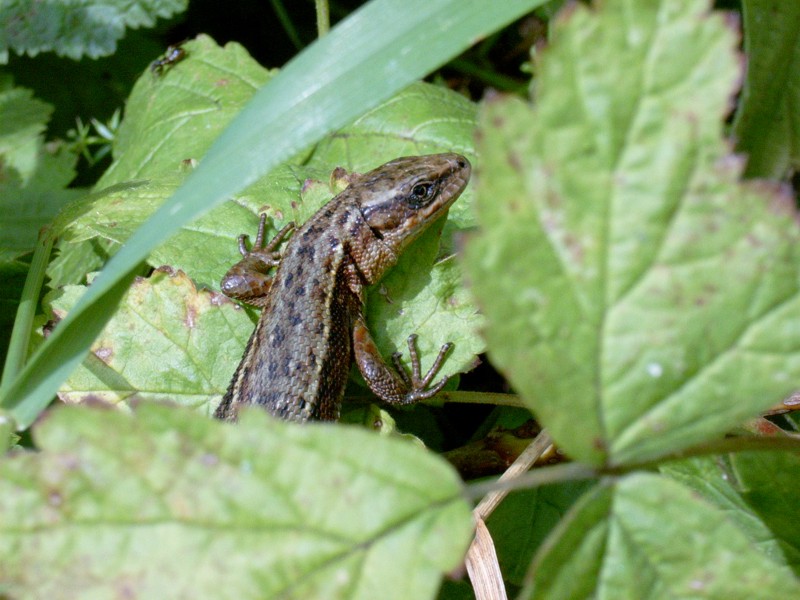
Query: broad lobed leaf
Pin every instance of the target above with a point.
(171, 504)
(76, 29)
(639, 298)
(168, 341)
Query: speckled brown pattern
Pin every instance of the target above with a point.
(312, 327)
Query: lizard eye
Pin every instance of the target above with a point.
(420, 193)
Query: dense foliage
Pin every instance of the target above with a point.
(626, 256)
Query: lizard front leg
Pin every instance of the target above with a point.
(395, 386)
(248, 279)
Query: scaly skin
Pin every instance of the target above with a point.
(312, 324)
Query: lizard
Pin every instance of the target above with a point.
(312, 324)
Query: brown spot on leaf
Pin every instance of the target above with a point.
(307, 185)
(191, 316)
(105, 354)
(169, 270)
(218, 299)
(55, 498)
(515, 162)
(576, 249)
(338, 173)
(209, 460)
(96, 402)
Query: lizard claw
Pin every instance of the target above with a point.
(417, 384)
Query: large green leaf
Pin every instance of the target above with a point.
(171, 504)
(75, 28)
(639, 298)
(367, 58)
(767, 126)
(167, 341)
(646, 537)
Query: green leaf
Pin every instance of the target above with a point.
(175, 116)
(639, 298)
(171, 504)
(167, 341)
(770, 484)
(22, 122)
(77, 28)
(32, 175)
(368, 57)
(756, 491)
(766, 126)
(523, 521)
(646, 536)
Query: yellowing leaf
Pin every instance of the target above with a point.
(639, 298)
(168, 341)
(171, 504)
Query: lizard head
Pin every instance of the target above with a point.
(403, 197)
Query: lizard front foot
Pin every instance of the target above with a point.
(248, 279)
(417, 385)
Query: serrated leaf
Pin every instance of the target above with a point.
(639, 298)
(78, 28)
(171, 504)
(33, 175)
(645, 537)
(175, 116)
(766, 127)
(23, 119)
(168, 341)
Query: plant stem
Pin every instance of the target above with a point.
(21, 333)
(287, 24)
(323, 17)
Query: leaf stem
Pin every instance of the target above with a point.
(286, 22)
(323, 17)
(578, 471)
(728, 445)
(532, 479)
(23, 323)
